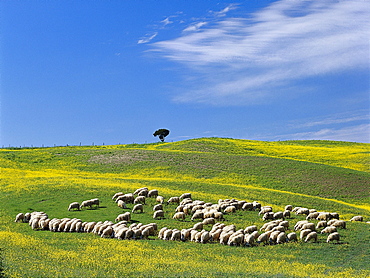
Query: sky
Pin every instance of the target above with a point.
(112, 72)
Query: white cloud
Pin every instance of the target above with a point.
(194, 27)
(243, 60)
(147, 38)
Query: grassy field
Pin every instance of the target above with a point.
(325, 175)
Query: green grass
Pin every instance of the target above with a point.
(325, 175)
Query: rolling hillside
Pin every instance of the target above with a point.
(325, 175)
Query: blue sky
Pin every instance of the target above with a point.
(109, 72)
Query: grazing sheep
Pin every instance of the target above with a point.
(325, 216)
(27, 217)
(249, 240)
(310, 236)
(284, 224)
(278, 215)
(247, 206)
(95, 202)
(167, 234)
(185, 234)
(256, 205)
(121, 233)
(268, 216)
(185, 196)
(278, 228)
(173, 200)
(179, 216)
(137, 191)
(281, 238)
(85, 204)
(19, 217)
(299, 224)
(122, 204)
(250, 229)
(321, 224)
(286, 213)
(161, 232)
(236, 239)
(116, 195)
(329, 230)
(205, 237)
(333, 236)
(224, 237)
(209, 221)
(292, 236)
(158, 207)
(357, 218)
(107, 232)
(176, 235)
(197, 215)
(138, 207)
(312, 215)
(158, 214)
(198, 226)
(334, 215)
(310, 226)
(264, 237)
(74, 205)
(140, 200)
(153, 193)
(159, 199)
(230, 209)
(218, 215)
(124, 217)
(304, 233)
(302, 211)
(339, 224)
(265, 209)
(288, 207)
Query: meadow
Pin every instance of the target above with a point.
(325, 175)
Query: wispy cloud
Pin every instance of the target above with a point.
(243, 60)
(195, 26)
(147, 38)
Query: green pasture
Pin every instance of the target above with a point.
(325, 175)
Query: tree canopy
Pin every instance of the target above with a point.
(161, 133)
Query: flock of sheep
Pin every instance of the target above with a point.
(209, 227)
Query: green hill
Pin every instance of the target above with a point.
(324, 175)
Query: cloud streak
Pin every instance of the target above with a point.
(242, 60)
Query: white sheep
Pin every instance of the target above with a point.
(265, 209)
(310, 226)
(19, 217)
(333, 236)
(197, 215)
(161, 232)
(176, 235)
(249, 240)
(205, 237)
(209, 221)
(312, 215)
(158, 214)
(264, 237)
(250, 229)
(158, 207)
(173, 200)
(230, 209)
(138, 207)
(74, 205)
(198, 226)
(304, 233)
(278, 215)
(281, 238)
(87, 203)
(339, 224)
(179, 216)
(286, 213)
(107, 232)
(185, 196)
(310, 236)
(123, 217)
(329, 230)
(167, 234)
(321, 224)
(116, 195)
(153, 193)
(289, 207)
(121, 204)
(140, 200)
(160, 199)
(236, 239)
(136, 192)
(247, 206)
(357, 218)
(292, 236)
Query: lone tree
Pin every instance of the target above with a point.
(161, 133)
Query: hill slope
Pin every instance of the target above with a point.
(325, 175)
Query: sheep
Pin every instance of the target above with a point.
(215, 235)
(312, 215)
(224, 237)
(267, 216)
(333, 236)
(236, 240)
(304, 233)
(140, 200)
(198, 226)
(138, 207)
(281, 238)
(185, 195)
(265, 209)
(256, 205)
(339, 224)
(273, 237)
(288, 207)
(167, 234)
(329, 230)
(299, 224)
(205, 237)
(153, 193)
(176, 235)
(247, 206)
(137, 191)
(292, 236)
(230, 209)
(284, 224)
(325, 216)
(180, 208)
(264, 237)
(197, 215)
(95, 202)
(158, 214)
(310, 226)
(19, 217)
(250, 229)
(159, 199)
(122, 204)
(321, 224)
(116, 195)
(310, 236)
(27, 217)
(278, 215)
(121, 233)
(173, 200)
(179, 216)
(74, 205)
(357, 218)
(302, 211)
(158, 207)
(87, 203)
(286, 213)
(107, 232)
(185, 234)
(334, 215)
(129, 234)
(161, 232)
(278, 228)
(209, 221)
(249, 240)
(123, 217)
